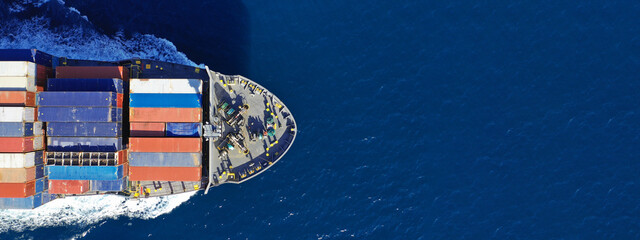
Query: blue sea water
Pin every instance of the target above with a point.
(417, 119)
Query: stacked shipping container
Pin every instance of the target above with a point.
(83, 109)
(23, 181)
(165, 121)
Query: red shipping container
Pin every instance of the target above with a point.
(165, 174)
(165, 144)
(17, 175)
(93, 72)
(21, 144)
(165, 114)
(119, 99)
(17, 98)
(17, 190)
(147, 129)
(69, 186)
(42, 73)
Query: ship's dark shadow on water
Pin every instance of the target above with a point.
(215, 32)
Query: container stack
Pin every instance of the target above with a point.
(23, 181)
(165, 122)
(83, 111)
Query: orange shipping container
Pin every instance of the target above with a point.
(165, 144)
(21, 144)
(69, 186)
(93, 72)
(165, 114)
(17, 98)
(165, 173)
(17, 190)
(147, 129)
(17, 175)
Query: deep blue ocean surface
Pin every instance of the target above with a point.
(417, 119)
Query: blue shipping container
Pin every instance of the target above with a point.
(46, 197)
(79, 114)
(165, 100)
(85, 85)
(27, 55)
(184, 129)
(84, 129)
(78, 99)
(83, 144)
(85, 172)
(42, 184)
(18, 129)
(21, 203)
(108, 185)
(164, 159)
(40, 172)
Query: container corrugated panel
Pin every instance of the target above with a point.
(166, 86)
(79, 114)
(184, 129)
(17, 190)
(189, 145)
(146, 129)
(17, 175)
(85, 172)
(17, 114)
(22, 203)
(69, 186)
(108, 185)
(21, 144)
(18, 84)
(165, 114)
(165, 100)
(21, 160)
(40, 171)
(48, 197)
(42, 184)
(79, 99)
(165, 173)
(17, 69)
(85, 85)
(17, 98)
(92, 72)
(84, 144)
(21, 129)
(30, 55)
(84, 129)
(165, 159)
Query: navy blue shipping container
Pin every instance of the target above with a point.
(165, 100)
(85, 172)
(22, 203)
(39, 159)
(78, 99)
(85, 85)
(42, 184)
(83, 144)
(79, 114)
(183, 129)
(164, 159)
(28, 55)
(84, 129)
(40, 171)
(108, 185)
(20, 129)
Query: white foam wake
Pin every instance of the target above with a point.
(83, 42)
(87, 210)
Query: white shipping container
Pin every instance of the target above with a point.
(17, 69)
(18, 84)
(165, 85)
(38, 129)
(17, 114)
(38, 143)
(18, 160)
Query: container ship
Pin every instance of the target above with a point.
(138, 128)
